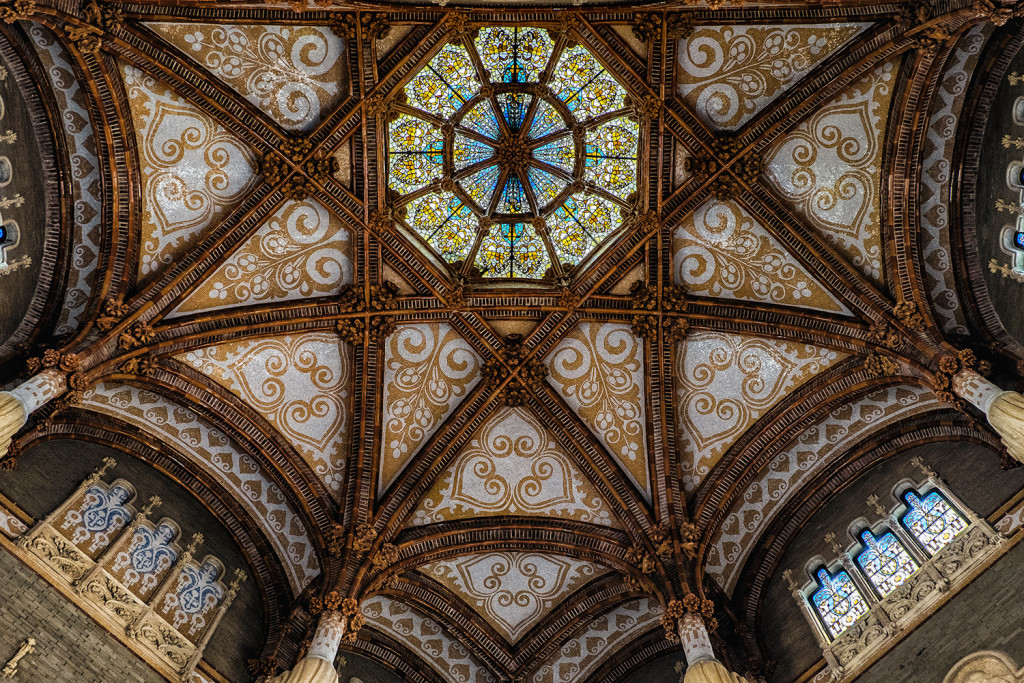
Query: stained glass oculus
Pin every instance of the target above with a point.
(513, 155)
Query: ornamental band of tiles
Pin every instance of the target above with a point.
(873, 613)
(134, 570)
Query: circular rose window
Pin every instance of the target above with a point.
(513, 155)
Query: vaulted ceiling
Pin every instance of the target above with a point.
(512, 476)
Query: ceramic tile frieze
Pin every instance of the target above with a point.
(426, 638)
(724, 382)
(935, 180)
(784, 476)
(216, 454)
(829, 168)
(302, 251)
(193, 170)
(299, 383)
(512, 591)
(730, 73)
(513, 466)
(85, 174)
(721, 250)
(428, 370)
(599, 370)
(293, 73)
(599, 641)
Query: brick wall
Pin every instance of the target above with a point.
(70, 646)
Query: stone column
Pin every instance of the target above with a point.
(1004, 409)
(18, 403)
(701, 665)
(318, 664)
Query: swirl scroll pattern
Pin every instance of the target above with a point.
(428, 370)
(293, 73)
(599, 641)
(300, 384)
(598, 370)
(730, 73)
(818, 447)
(302, 251)
(724, 382)
(720, 250)
(193, 171)
(513, 466)
(829, 168)
(512, 591)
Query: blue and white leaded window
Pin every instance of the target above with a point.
(932, 520)
(837, 601)
(885, 561)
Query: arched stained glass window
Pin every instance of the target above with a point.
(513, 154)
(885, 561)
(837, 601)
(932, 520)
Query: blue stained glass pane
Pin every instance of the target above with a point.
(513, 107)
(512, 251)
(545, 120)
(480, 185)
(481, 119)
(885, 561)
(1018, 239)
(837, 601)
(544, 185)
(587, 89)
(445, 222)
(514, 54)
(3, 234)
(582, 222)
(560, 153)
(416, 153)
(513, 198)
(446, 84)
(932, 520)
(466, 152)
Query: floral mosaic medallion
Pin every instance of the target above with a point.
(513, 156)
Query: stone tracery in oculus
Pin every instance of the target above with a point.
(524, 176)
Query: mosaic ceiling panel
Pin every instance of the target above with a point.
(731, 73)
(513, 466)
(724, 382)
(721, 250)
(296, 74)
(512, 591)
(598, 641)
(599, 371)
(302, 251)
(830, 168)
(299, 383)
(427, 638)
(193, 170)
(428, 370)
